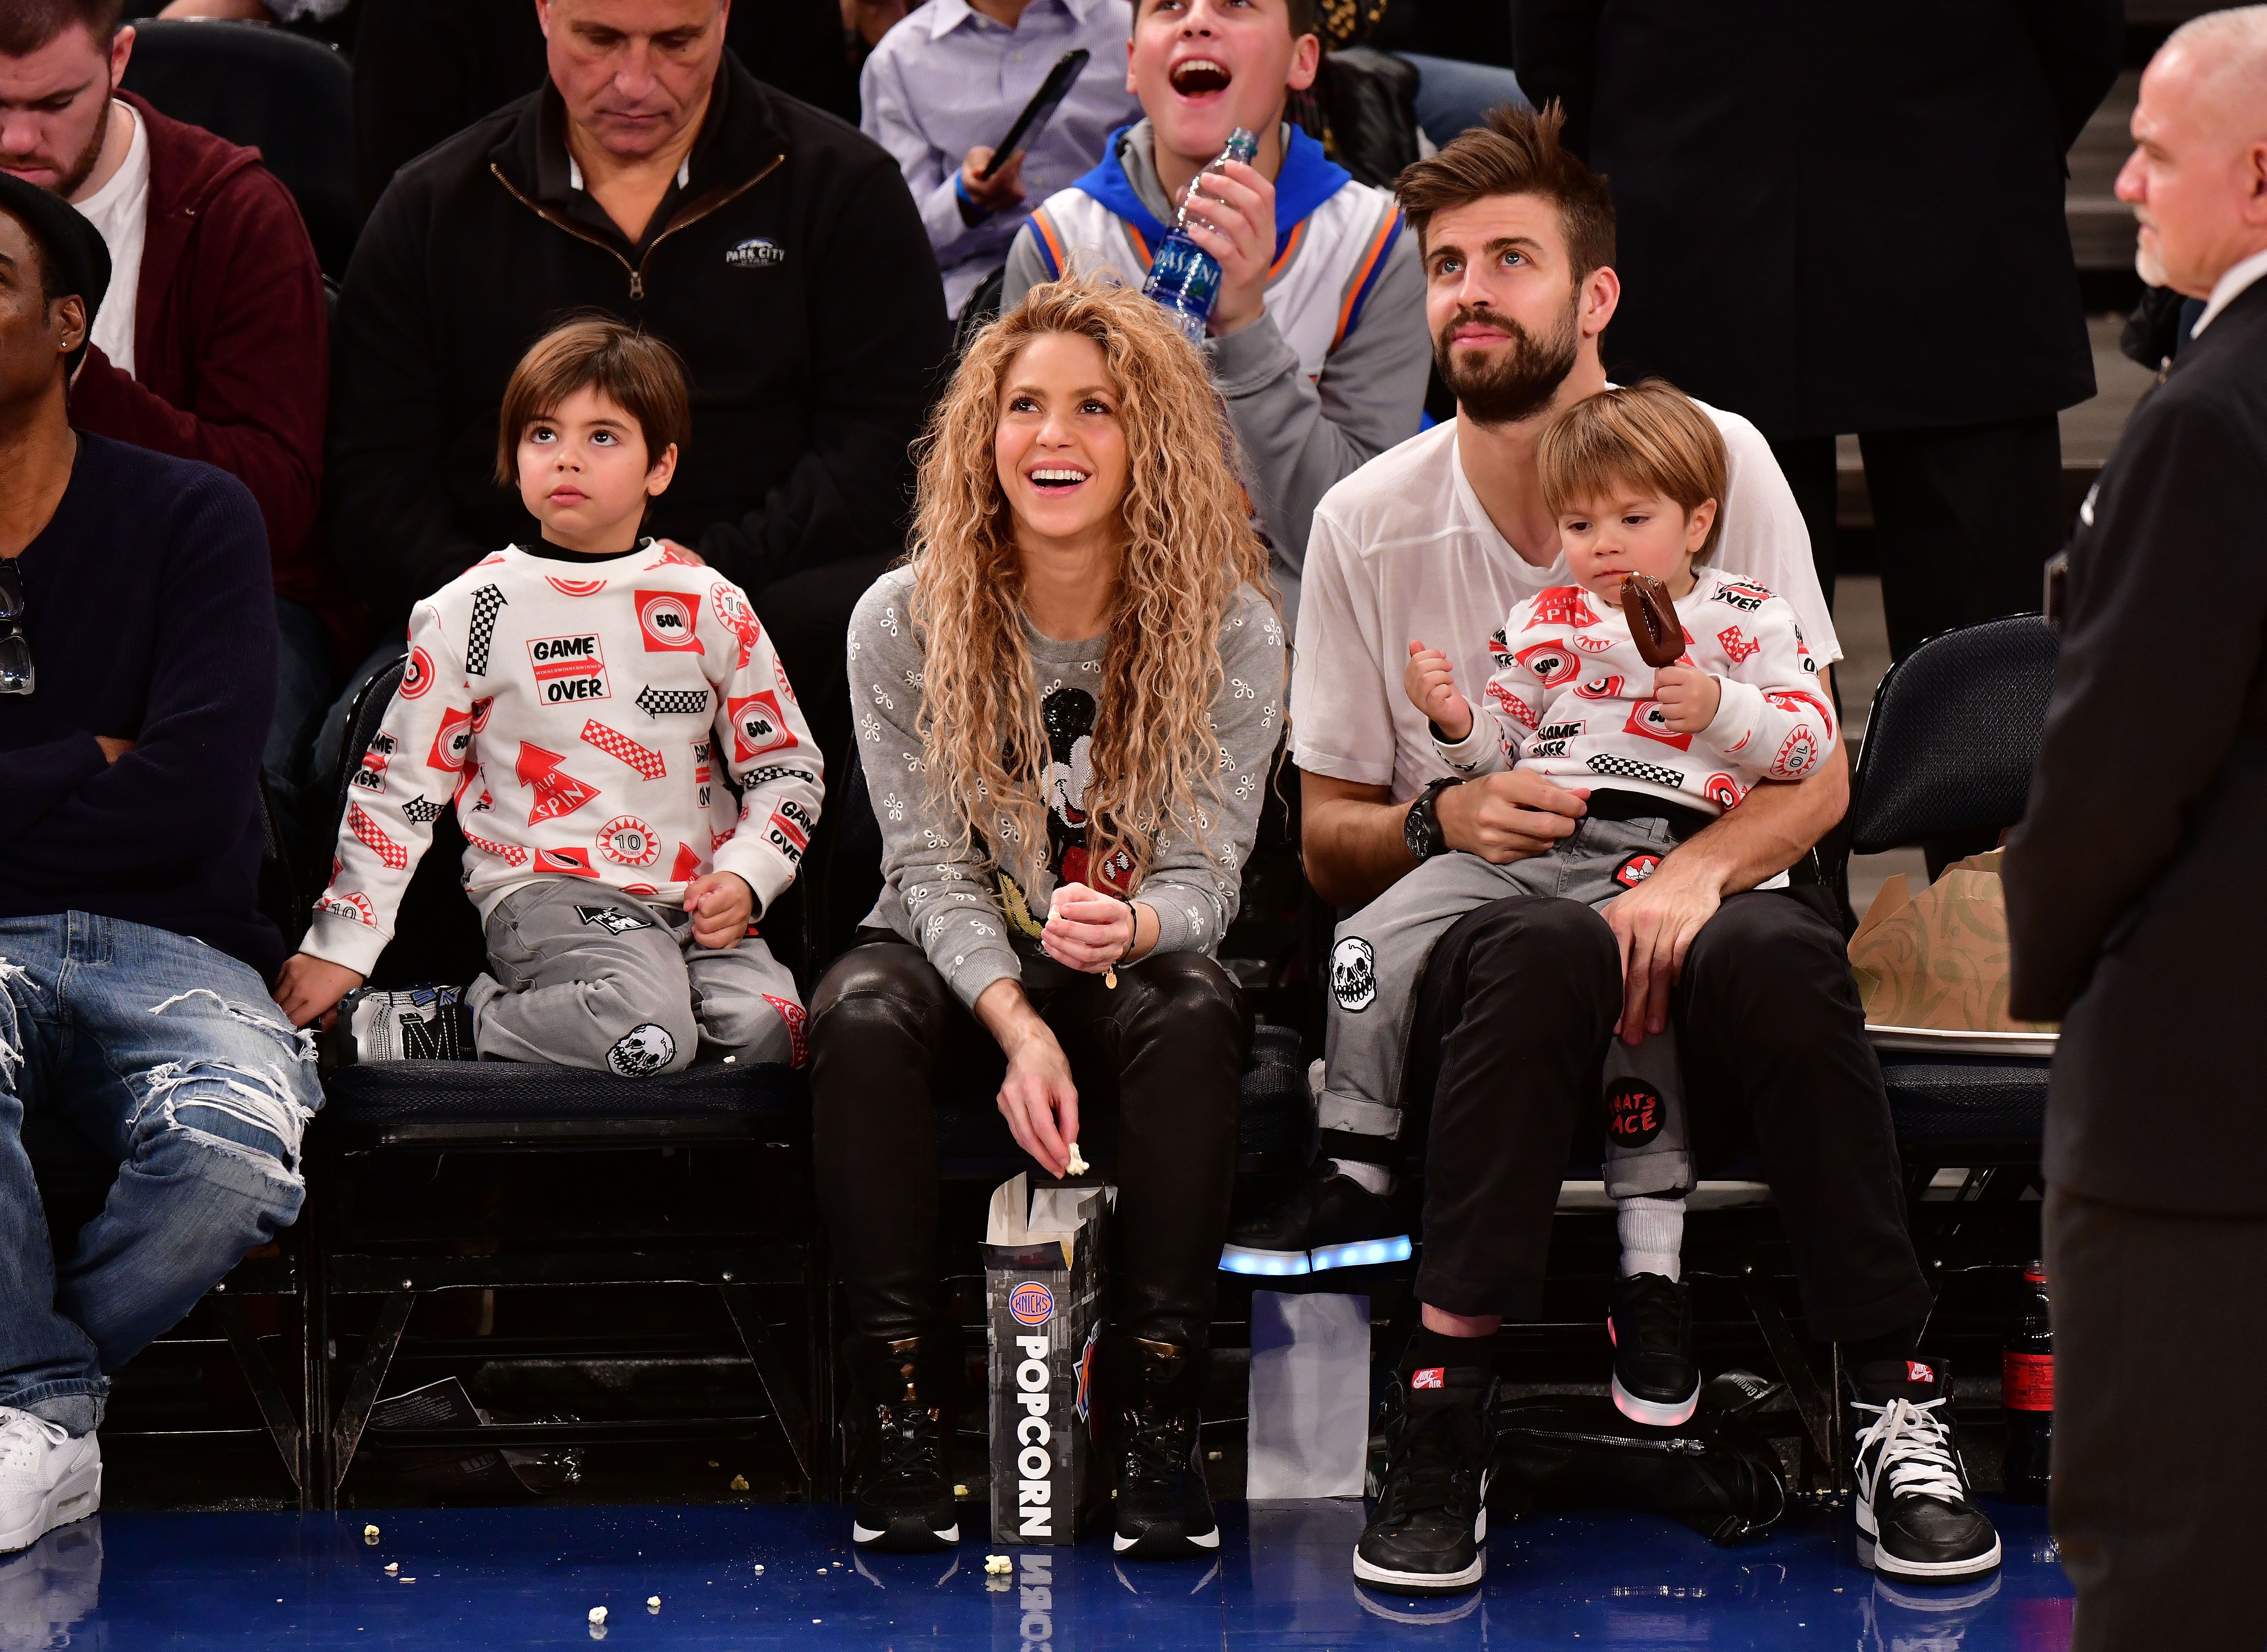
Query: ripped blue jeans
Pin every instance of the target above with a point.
(170, 1060)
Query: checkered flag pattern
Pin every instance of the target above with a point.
(670, 702)
(375, 839)
(486, 601)
(1607, 763)
(617, 745)
(510, 854)
(421, 811)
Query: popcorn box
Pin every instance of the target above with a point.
(1043, 1298)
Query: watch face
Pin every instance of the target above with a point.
(1418, 829)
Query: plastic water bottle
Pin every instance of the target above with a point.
(2027, 1392)
(1183, 276)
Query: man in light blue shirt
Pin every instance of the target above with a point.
(945, 84)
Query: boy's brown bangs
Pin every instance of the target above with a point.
(1650, 435)
(634, 371)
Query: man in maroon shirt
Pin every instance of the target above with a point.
(214, 343)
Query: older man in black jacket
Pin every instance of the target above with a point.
(1843, 219)
(2132, 887)
(654, 178)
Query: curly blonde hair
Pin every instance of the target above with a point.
(1189, 547)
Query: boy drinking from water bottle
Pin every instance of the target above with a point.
(1315, 271)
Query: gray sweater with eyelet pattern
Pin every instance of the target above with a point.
(977, 918)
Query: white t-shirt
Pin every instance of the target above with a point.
(1402, 549)
(121, 210)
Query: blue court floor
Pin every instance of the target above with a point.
(773, 1576)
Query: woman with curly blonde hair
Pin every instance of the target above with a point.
(1067, 701)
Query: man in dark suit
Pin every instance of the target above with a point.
(2131, 885)
(1842, 219)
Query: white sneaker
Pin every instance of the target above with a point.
(47, 1478)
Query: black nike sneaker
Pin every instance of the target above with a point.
(904, 1498)
(1162, 1509)
(1327, 1220)
(1649, 1320)
(1913, 1501)
(1427, 1533)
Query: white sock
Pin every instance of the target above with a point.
(1651, 1234)
(1376, 1178)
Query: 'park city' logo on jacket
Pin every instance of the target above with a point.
(755, 253)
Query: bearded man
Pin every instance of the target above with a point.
(1435, 540)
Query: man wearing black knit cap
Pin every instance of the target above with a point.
(138, 1048)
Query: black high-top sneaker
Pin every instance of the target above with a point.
(1649, 1319)
(1327, 1220)
(1162, 1510)
(904, 1500)
(1427, 1534)
(1913, 1499)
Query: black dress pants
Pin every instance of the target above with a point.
(2159, 1447)
(1513, 1016)
(1158, 1062)
(1965, 518)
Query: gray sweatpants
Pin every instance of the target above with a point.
(1379, 956)
(584, 976)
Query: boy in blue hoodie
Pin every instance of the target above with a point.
(1318, 343)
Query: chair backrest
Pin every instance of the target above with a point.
(1953, 733)
(437, 931)
(289, 97)
(853, 860)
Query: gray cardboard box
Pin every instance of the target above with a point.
(1043, 1298)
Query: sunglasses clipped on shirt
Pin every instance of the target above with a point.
(17, 676)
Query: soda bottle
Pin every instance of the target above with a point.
(2027, 1392)
(1183, 276)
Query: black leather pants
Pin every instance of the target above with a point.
(1158, 1062)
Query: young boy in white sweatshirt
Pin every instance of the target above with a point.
(580, 701)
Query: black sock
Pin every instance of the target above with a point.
(1430, 1347)
(1899, 1345)
(1381, 1151)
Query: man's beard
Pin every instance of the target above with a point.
(1519, 384)
(71, 177)
(2148, 265)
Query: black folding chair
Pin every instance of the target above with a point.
(283, 94)
(1947, 762)
(431, 1177)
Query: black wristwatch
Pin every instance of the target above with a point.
(1421, 829)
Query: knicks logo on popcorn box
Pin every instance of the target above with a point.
(1031, 1303)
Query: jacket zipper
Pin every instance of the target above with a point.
(714, 201)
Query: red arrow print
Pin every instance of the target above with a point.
(556, 791)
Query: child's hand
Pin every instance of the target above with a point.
(721, 904)
(1431, 687)
(310, 988)
(1688, 697)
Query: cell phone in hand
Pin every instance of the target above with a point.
(1039, 111)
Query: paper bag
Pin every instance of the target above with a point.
(1042, 1283)
(1309, 1428)
(1938, 960)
